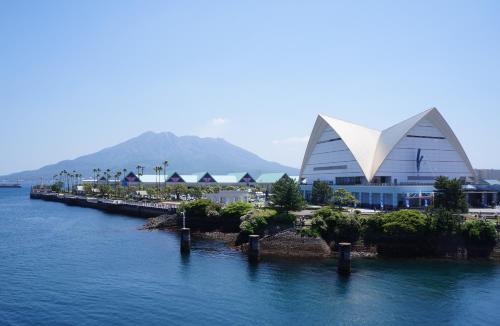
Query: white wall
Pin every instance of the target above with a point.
(329, 154)
(440, 157)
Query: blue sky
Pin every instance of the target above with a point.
(77, 76)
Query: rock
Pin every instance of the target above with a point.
(290, 244)
(228, 238)
(161, 222)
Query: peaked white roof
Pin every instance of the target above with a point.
(371, 147)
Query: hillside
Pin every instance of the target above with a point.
(186, 154)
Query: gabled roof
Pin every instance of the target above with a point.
(270, 177)
(152, 178)
(371, 147)
(390, 137)
(360, 140)
(243, 177)
(175, 177)
(189, 178)
(492, 182)
(204, 177)
(225, 178)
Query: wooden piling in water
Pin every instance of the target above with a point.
(185, 240)
(344, 262)
(253, 248)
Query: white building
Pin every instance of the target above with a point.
(389, 168)
(226, 197)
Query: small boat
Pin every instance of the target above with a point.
(10, 185)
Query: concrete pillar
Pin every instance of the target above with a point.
(253, 248)
(394, 200)
(344, 263)
(484, 199)
(185, 240)
(495, 198)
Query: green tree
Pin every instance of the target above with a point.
(449, 195)
(57, 186)
(179, 189)
(286, 194)
(445, 222)
(321, 192)
(87, 188)
(342, 197)
(104, 189)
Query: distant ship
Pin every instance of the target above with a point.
(10, 185)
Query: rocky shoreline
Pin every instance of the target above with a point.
(287, 243)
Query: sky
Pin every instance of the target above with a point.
(78, 76)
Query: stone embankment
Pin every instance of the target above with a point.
(137, 209)
(290, 244)
(162, 222)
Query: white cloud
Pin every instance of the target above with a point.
(291, 140)
(218, 121)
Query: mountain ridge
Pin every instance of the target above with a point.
(186, 154)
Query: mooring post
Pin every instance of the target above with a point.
(253, 248)
(185, 240)
(344, 263)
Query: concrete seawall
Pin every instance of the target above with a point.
(109, 206)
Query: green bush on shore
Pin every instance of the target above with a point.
(236, 209)
(479, 233)
(335, 226)
(260, 220)
(200, 207)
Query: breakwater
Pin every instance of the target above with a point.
(144, 210)
(137, 209)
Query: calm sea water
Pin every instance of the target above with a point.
(63, 265)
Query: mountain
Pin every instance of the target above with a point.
(186, 154)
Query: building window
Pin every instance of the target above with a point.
(335, 167)
(344, 181)
(428, 137)
(329, 140)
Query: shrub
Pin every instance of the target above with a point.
(200, 207)
(236, 209)
(257, 221)
(335, 226)
(308, 232)
(372, 228)
(404, 226)
(282, 219)
(324, 212)
(254, 225)
(347, 229)
(318, 225)
(479, 233)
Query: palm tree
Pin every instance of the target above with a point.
(159, 173)
(165, 164)
(117, 177)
